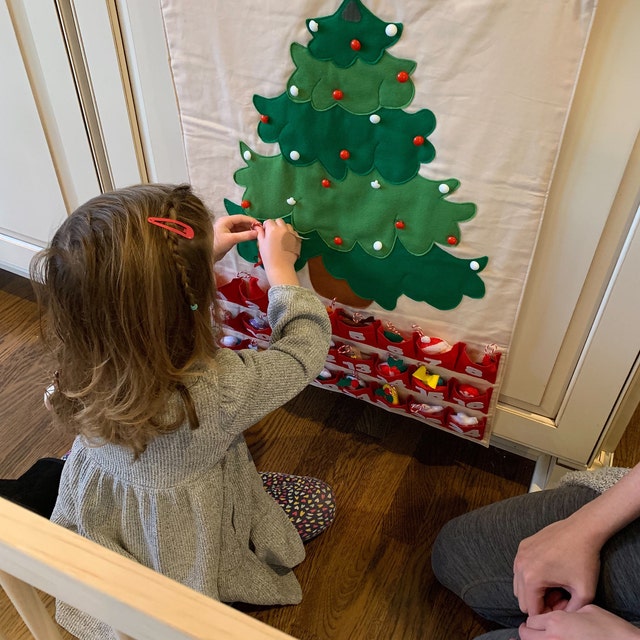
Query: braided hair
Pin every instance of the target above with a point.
(127, 312)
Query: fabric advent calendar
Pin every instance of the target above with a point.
(412, 145)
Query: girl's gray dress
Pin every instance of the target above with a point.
(193, 506)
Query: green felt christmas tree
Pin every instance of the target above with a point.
(347, 176)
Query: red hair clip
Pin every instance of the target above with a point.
(175, 226)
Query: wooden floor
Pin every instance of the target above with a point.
(396, 482)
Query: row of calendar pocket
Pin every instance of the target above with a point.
(459, 357)
(423, 403)
(433, 386)
(387, 396)
(245, 290)
(415, 377)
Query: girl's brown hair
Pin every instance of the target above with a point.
(127, 308)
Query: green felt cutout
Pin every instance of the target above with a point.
(437, 278)
(366, 88)
(332, 40)
(352, 209)
(389, 239)
(387, 146)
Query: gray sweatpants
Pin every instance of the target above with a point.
(473, 557)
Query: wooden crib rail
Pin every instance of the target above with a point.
(134, 600)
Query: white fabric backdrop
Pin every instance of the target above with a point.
(499, 76)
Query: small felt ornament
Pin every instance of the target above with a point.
(393, 370)
(424, 379)
(432, 413)
(391, 333)
(329, 379)
(352, 385)
(468, 391)
(393, 366)
(389, 394)
(394, 341)
(463, 420)
(431, 385)
(468, 425)
(230, 341)
(351, 357)
(470, 397)
(349, 351)
(256, 326)
(433, 346)
(352, 382)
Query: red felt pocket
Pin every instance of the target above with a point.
(431, 387)
(431, 413)
(252, 295)
(357, 329)
(469, 396)
(257, 326)
(468, 425)
(430, 350)
(353, 386)
(394, 341)
(329, 379)
(387, 395)
(231, 291)
(394, 370)
(478, 363)
(354, 359)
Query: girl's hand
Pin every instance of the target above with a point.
(279, 248)
(561, 558)
(228, 231)
(587, 623)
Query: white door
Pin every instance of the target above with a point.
(567, 367)
(571, 356)
(66, 131)
(37, 183)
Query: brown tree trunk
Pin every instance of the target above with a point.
(333, 288)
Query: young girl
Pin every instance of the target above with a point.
(159, 471)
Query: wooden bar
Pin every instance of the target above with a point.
(139, 602)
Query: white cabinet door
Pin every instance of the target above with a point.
(67, 121)
(46, 166)
(566, 372)
(590, 211)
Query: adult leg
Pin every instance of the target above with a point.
(619, 583)
(499, 634)
(473, 554)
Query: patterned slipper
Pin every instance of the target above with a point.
(308, 502)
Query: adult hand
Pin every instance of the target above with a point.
(587, 623)
(228, 231)
(562, 558)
